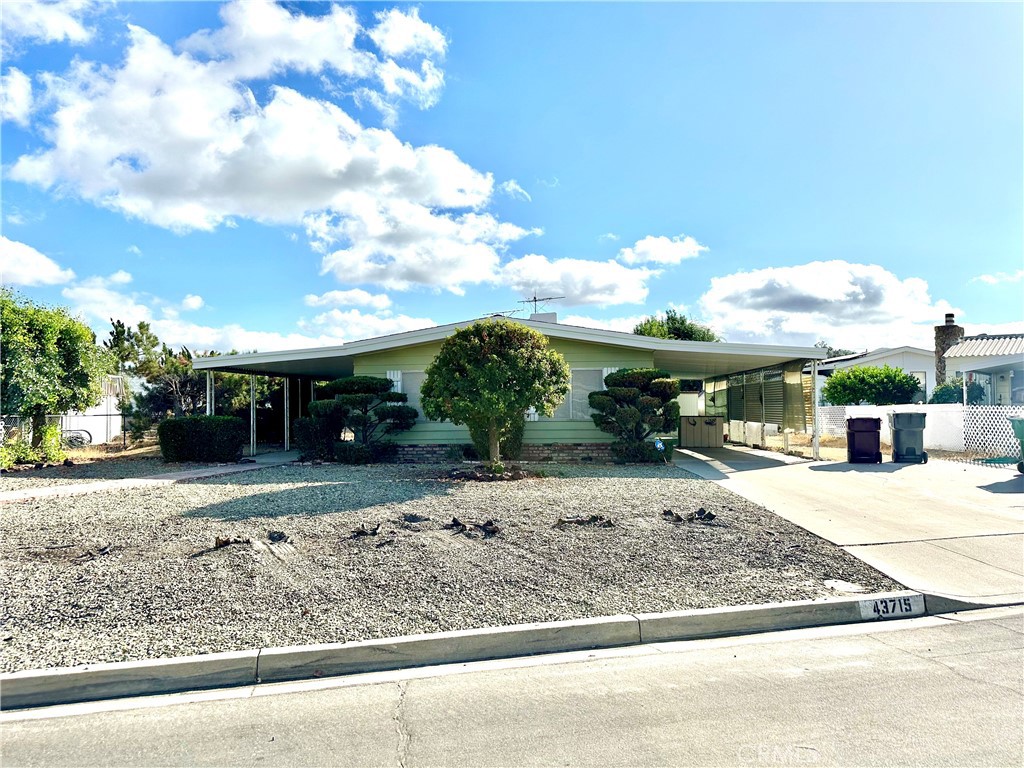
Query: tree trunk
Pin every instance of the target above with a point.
(38, 422)
(492, 440)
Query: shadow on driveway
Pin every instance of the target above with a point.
(1013, 485)
(845, 466)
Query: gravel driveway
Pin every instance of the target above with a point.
(87, 471)
(133, 574)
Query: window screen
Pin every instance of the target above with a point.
(411, 383)
(583, 383)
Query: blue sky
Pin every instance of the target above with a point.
(261, 176)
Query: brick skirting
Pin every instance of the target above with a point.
(571, 453)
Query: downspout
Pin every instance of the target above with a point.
(209, 393)
(815, 454)
(963, 383)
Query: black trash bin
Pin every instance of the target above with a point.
(908, 437)
(863, 445)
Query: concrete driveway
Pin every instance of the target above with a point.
(943, 527)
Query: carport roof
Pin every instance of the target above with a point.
(688, 359)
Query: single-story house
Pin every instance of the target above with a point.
(913, 360)
(995, 362)
(591, 354)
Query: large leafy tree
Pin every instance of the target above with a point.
(673, 325)
(51, 363)
(870, 384)
(638, 403)
(831, 351)
(489, 374)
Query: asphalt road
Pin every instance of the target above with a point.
(930, 691)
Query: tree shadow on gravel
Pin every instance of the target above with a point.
(324, 498)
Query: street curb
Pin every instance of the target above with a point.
(45, 687)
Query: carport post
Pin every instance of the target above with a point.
(252, 414)
(814, 411)
(209, 393)
(287, 415)
(963, 381)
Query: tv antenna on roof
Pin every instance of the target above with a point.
(536, 301)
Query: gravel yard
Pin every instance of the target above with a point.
(90, 471)
(133, 574)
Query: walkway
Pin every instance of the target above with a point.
(943, 527)
(167, 478)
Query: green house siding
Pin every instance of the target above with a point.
(578, 354)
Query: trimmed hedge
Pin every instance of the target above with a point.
(350, 452)
(202, 438)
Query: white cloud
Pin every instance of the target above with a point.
(662, 250)
(581, 282)
(178, 139)
(47, 22)
(1000, 277)
(857, 306)
(15, 97)
(513, 190)
(352, 325)
(134, 249)
(98, 299)
(624, 324)
(177, 333)
(356, 297)
(608, 237)
(192, 302)
(399, 245)
(400, 34)
(21, 264)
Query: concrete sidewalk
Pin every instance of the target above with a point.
(260, 461)
(944, 528)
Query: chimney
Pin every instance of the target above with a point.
(946, 336)
(545, 317)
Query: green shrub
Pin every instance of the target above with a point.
(454, 453)
(953, 392)
(202, 438)
(372, 410)
(49, 444)
(313, 439)
(870, 384)
(634, 452)
(17, 451)
(351, 452)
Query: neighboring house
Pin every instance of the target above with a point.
(995, 362)
(103, 420)
(591, 354)
(913, 360)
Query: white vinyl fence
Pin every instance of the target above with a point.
(983, 429)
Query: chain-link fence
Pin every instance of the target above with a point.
(77, 430)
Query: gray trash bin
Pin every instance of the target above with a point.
(908, 437)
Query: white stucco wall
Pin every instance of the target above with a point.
(943, 426)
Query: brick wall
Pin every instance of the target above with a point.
(599, 453)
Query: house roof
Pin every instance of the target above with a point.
(689, 359)
(866, 358)
(984, 345)
(987, 354)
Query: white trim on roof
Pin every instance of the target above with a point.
(553, 330)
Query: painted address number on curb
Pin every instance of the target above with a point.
(892, 607)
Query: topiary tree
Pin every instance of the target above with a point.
(489, 374)
(638, 403)
(373, 410)
(870, 384)
(51, 362)
(952, 391)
